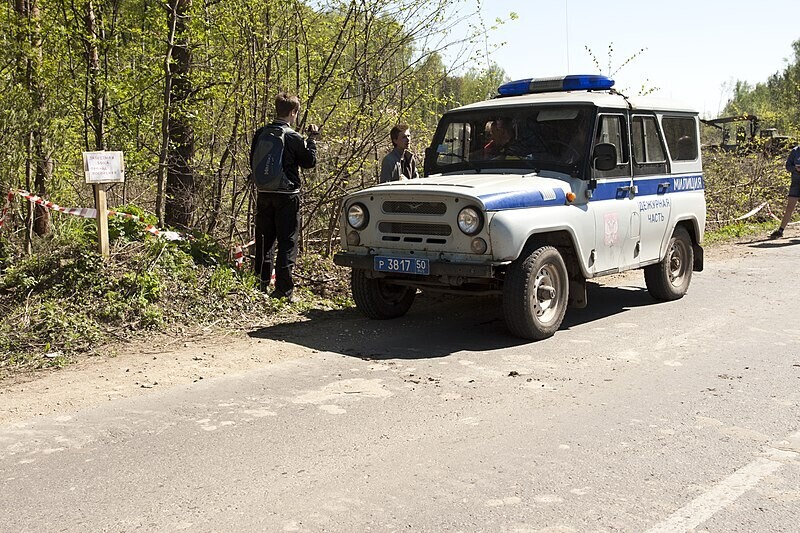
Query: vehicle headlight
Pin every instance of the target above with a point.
(470, 220)
(357, 216)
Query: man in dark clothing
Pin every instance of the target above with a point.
(278, 212)
(399, 164)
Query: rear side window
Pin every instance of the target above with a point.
(681, 136)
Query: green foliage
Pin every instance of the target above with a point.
(358, 67)
(776, 102)
(65, 300)
(130, 229)
(737, 183)
(324, 278)
(738, 230)
(223, 281)
(204, 250)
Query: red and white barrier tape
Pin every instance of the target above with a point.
(238, 258)
(756, 210)
(752, 212)
(238, 253)
(85, 212)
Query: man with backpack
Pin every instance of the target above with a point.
(276, 155)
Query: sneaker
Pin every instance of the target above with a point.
(777, 234)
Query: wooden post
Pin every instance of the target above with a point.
(102, 219)
(100, 168)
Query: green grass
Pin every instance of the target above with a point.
(734, 232)
(64, 301)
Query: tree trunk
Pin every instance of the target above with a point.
(92, 37)
(30, 39)
(229, 153)
(180, 184)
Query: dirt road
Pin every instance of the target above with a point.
(635, 416)
(161, 361)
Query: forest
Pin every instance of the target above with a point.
(776, 100)
(179, 86)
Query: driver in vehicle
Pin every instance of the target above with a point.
(502, 133)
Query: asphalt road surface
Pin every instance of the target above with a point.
(636, 416)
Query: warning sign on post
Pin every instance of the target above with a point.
(103, 167)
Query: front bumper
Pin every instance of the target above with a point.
(437, 267)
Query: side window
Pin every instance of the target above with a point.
(611, 129)
(455, 146)
(648, 150)
(681, 136)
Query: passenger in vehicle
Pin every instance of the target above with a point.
(687, 150)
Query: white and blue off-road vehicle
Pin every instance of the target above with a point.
(528, 195)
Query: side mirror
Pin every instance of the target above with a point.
(430, 159)
(605, 156)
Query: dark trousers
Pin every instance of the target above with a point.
(277, 219)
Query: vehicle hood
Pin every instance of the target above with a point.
(494, 191)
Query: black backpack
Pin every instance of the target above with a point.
(266, 163)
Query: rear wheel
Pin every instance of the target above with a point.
(377, 298)
(669, 279)
(535, 293)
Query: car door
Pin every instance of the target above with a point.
(651, 185)
(611, 203)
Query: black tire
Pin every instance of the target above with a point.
(669, 279)
(535, 293)
(378, 299)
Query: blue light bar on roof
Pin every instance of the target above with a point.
(573, 82)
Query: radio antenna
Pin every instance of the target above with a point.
(566, 26)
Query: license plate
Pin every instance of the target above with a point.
(402, 265)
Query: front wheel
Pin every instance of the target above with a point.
(379, 299)
(669, 279)
(535, 293)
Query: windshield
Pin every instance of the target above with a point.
(532, 137)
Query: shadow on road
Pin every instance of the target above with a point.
(437, 326)
(768, 243)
